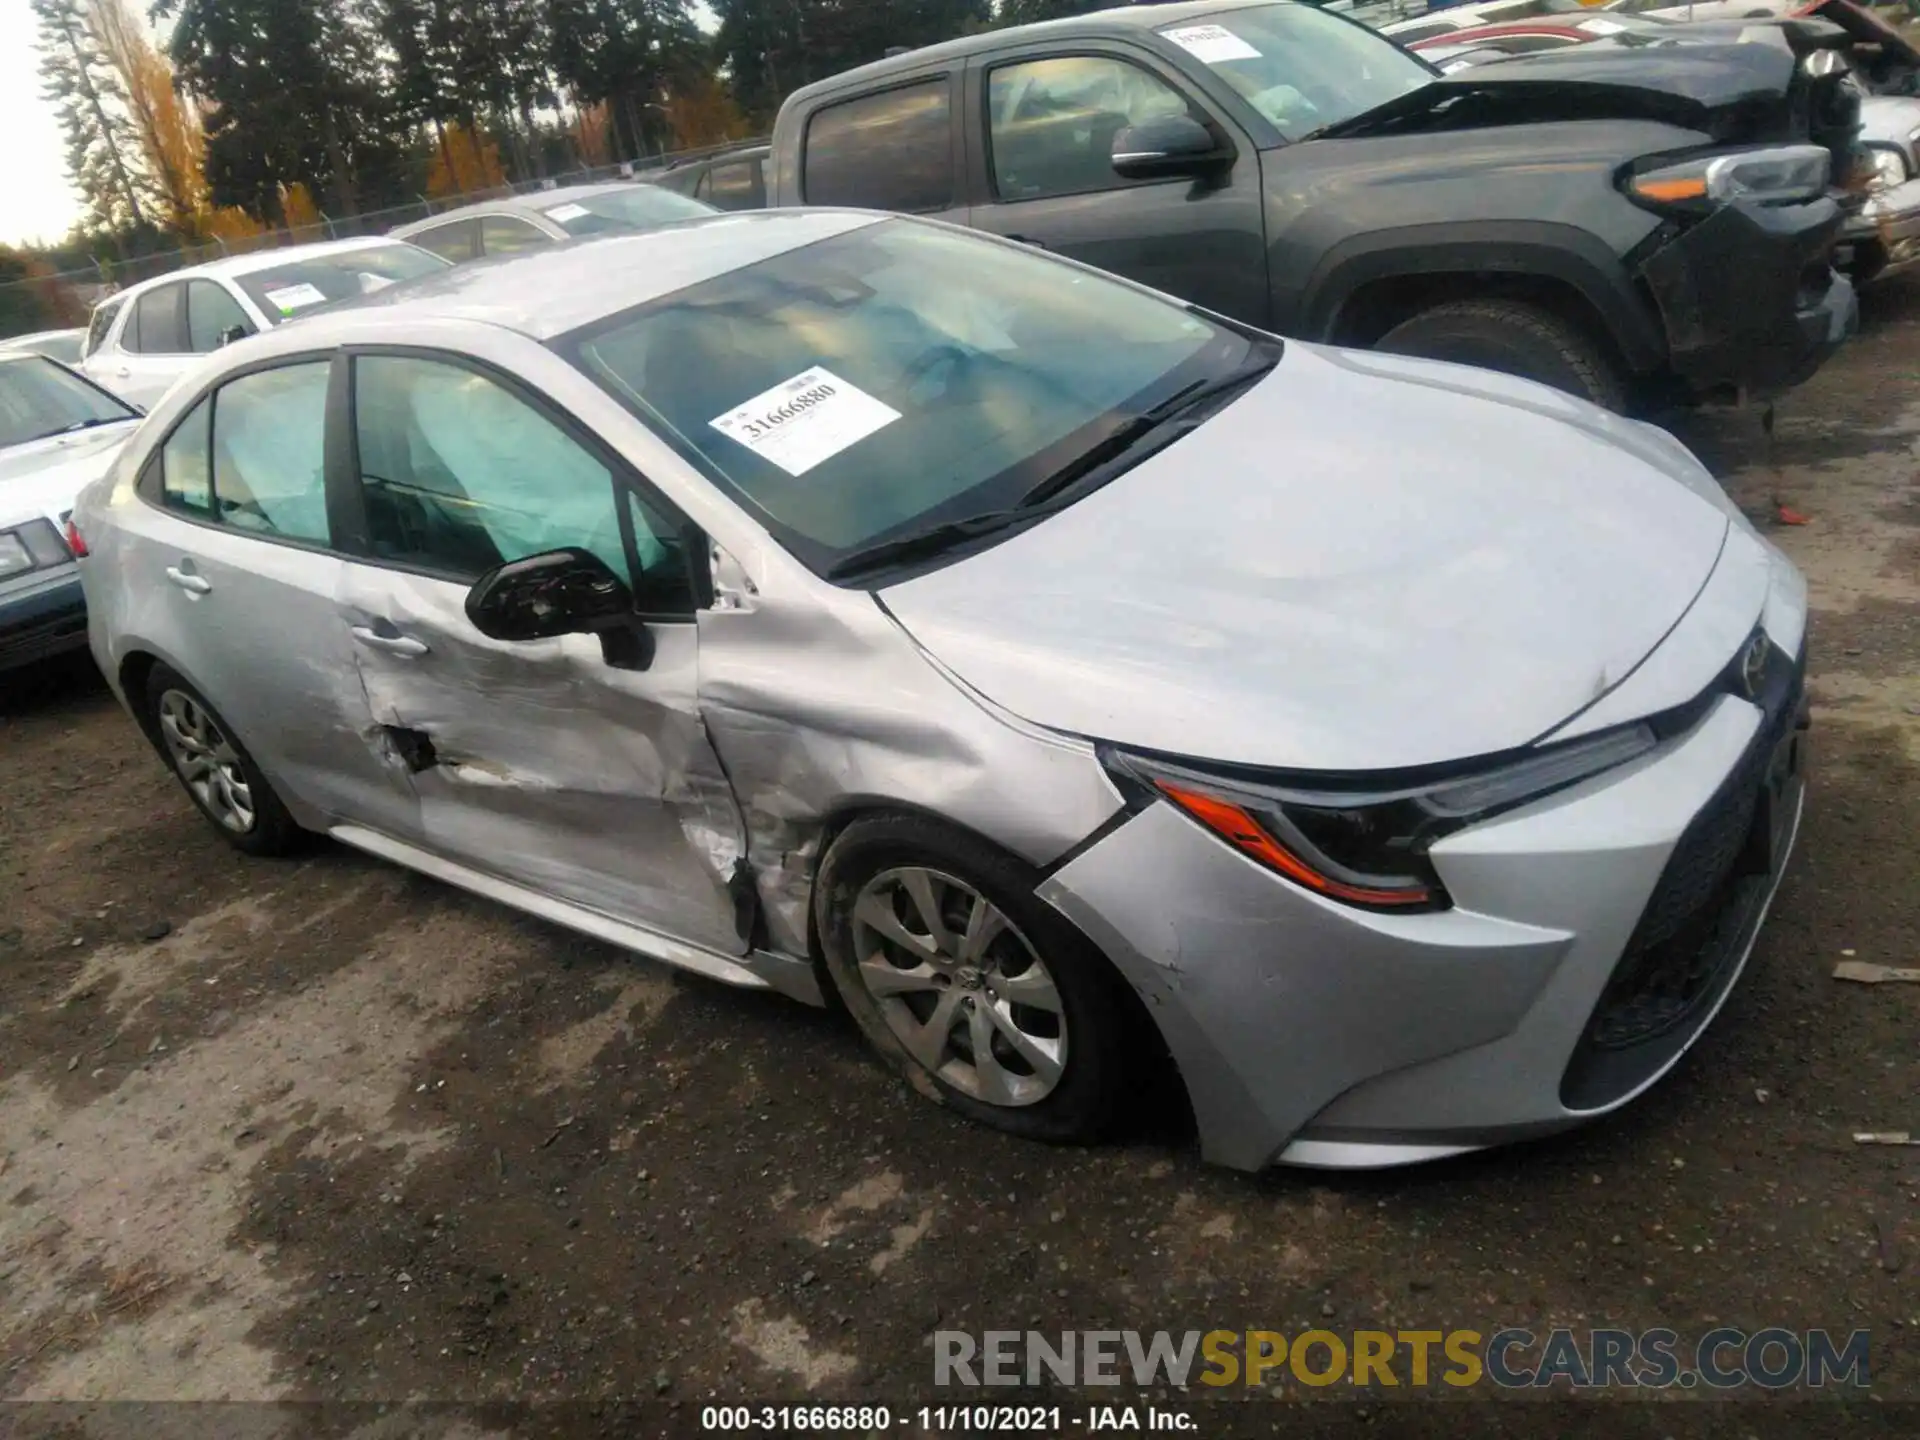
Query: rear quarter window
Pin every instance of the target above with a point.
(890, 151)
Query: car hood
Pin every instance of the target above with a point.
(43, 476)
(1365, 563)
(1716, 89)
(1889, 119)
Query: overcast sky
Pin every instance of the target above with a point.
(36, 202)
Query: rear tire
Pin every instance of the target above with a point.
(1516, 339)
(215, 770)
(1043, 1003)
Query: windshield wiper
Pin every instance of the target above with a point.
(77, 425)
(930, 541)
(1100, 457)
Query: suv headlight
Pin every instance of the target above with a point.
(1774, 175)
(1362, 844)
(1889, 167)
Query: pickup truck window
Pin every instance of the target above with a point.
(1051, 123)
(1301, 68)
(891, 151)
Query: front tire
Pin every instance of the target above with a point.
(218, 775)
(981, 995)
(1516, 339)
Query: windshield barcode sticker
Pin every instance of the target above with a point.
(802, 421)
(564, 213)
(1212, 44)
(293, 297)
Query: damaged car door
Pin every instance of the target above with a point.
(574, 765)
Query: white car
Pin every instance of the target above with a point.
(143, 339)
(58, 433)
(62, 345)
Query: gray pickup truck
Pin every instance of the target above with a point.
(1639, 230)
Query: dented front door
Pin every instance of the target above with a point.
(539, 763)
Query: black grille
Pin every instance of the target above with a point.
(1695, 923)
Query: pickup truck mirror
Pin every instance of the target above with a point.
(1166, 145)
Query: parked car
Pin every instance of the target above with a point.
(1554, 32)
(58, 432)
(1056, 671)
(526, 222)
(61, 345)
(1582, 223)
(146, 337)
(1440, 20)
(731, 180)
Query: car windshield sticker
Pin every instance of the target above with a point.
(289, 298)
(802, 421)
(1214, 44)
(564, 213)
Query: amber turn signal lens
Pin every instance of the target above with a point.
(1245, 834)
(1668, 191)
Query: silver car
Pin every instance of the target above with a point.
(1069, 679)
(514, 223)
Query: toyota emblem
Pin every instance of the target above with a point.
(1753, 667)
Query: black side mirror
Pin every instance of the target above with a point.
(561, 592)
(1166, 145)
(233, 333)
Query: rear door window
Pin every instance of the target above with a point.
(504, 235)
(737, 185)
(156, 327)
(456, 240)
(890, 151)
(101, 323)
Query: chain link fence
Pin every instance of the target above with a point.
(95, 282)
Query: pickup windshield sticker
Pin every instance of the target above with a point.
(564, 213)
(1213, 44)
(289, 298)
(802, 421)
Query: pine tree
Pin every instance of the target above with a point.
(92, 107)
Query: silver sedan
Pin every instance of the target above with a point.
(1399, 756)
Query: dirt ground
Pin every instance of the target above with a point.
(341, 1134)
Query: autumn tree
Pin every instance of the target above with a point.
(102, 148)
(701, 112)
(172, 146)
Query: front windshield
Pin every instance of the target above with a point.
(895, 377)
(298, 286)
(39, 398)
(635, 207)
(1301, 68)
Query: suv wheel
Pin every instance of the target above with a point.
(1515, 339)
(217, 774)
(982, 995)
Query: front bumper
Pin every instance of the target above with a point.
(1883, 237)
(1594, 935)
(1750, 301)
(42, 614)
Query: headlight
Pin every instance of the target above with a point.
(1772, 176)
(1367, 845)
(1889, 167)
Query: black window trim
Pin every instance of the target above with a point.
(981, 89)
(148, 486)
(343, 471)
(954, 76)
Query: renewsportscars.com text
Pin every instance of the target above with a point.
(1512, 1358)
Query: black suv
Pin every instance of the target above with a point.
(1636, 229)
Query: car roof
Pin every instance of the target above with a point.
(1123, 20)
(533, 202)
(556, 288)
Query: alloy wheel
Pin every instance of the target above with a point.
(959, 986)
(206, 761)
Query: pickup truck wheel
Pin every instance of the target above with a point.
(1516, 339)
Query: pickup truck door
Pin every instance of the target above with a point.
(1040, 122)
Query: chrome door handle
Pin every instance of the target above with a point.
(392, 644)
(188, 581)
(123, 372)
